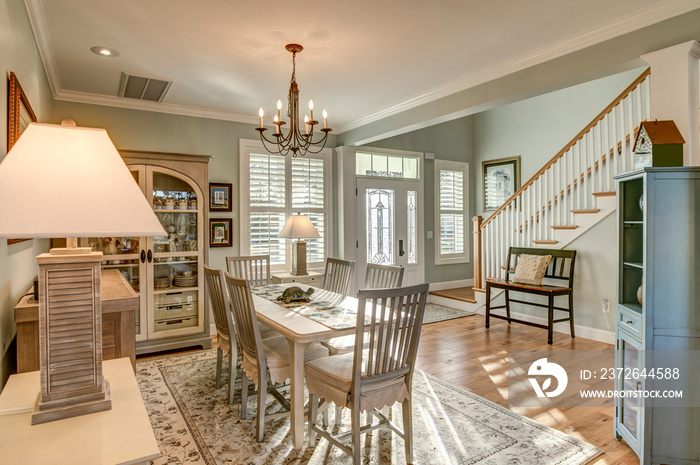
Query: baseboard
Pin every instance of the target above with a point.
(451, 284)
(587, 332)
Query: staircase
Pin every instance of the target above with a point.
(571, 193)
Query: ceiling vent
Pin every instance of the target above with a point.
(143, 87)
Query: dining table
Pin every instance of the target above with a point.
(326, 315)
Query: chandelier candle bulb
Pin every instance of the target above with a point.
(261, 113)
(311, 110)
(325, 119)
(279, 109)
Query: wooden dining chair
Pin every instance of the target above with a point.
(376, 277)
(378, 376)
(383, 276)
(266, 361)
(255, 269)
(225, 328)
(338, 275)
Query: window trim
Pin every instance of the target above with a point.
(248, 146)
(448, 259)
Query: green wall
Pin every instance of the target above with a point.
(18, 53)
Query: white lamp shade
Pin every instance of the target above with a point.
(62, 181)
(298, 227)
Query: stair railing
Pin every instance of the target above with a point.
(565, 186)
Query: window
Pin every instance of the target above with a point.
(274, 187)
(452, 212)
(386, 166)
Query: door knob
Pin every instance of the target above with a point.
(401, 252)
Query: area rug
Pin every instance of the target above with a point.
(193, 424)
(435, 313)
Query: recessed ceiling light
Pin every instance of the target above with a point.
(105, 51)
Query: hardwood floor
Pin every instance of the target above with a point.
(465, 294)
(464, 353)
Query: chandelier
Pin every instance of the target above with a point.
(296, 141)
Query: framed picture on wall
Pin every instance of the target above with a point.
(19, 115)
(220, 232)
(501, 180)
(219, 197)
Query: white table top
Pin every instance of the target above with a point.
(122, 435)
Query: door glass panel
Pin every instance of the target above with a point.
(412, 218)
(630, 358)
(175, 282)
(380, 226)
(182, 232)
(171, 193)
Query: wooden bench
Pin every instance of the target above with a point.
(561, 268)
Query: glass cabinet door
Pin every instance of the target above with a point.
(176, 263)
(629, 409)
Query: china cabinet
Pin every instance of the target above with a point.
(166, 271)
(657, 317)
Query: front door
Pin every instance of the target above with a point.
(389, 226)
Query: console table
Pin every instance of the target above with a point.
(119, 304)
(117, 436)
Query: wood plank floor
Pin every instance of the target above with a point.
(465, 294)
(464, 353)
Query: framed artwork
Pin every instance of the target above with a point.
(501, 180)
(220, 232)
(19, 115)
(219, 197)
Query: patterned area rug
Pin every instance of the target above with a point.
(435, 313)
(193, 424)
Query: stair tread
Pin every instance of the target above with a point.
(544, 242)
(463, 294)
(565, 226)
(605, 194)
(589, 210)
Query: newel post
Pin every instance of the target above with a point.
(476, 231)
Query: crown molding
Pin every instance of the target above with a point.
(169, 108)
(37, 20)
(637, 20)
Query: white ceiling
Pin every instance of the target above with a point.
(362, 59)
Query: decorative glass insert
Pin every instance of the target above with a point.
(386, 166)
(412, 216)
(380, 226)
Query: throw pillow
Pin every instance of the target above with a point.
(531, 269)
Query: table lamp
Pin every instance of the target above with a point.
(67, 181)
(298, 227)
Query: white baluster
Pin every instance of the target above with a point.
(615, 139)
(630, 131)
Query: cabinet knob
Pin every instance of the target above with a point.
(629, 322)
(143, 256)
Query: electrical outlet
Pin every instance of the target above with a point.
(606, 306)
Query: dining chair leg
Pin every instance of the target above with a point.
(325, 418)
(244, 394)
(407, 410)
(313, 411)
(356, 444)
(369, 418)
(262, 396)
(219, 361)
(338, 415)
(232, 356)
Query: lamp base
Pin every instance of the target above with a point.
(45, 412)
(299, 259)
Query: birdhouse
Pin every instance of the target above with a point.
(658, 143)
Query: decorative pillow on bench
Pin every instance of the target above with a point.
(531, 269)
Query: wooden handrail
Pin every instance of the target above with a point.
(566, 148)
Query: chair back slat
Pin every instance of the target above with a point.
(244, 315)
(383, 276)
(392, 334)
(220, 306)
(337, 275)
(255, 269)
